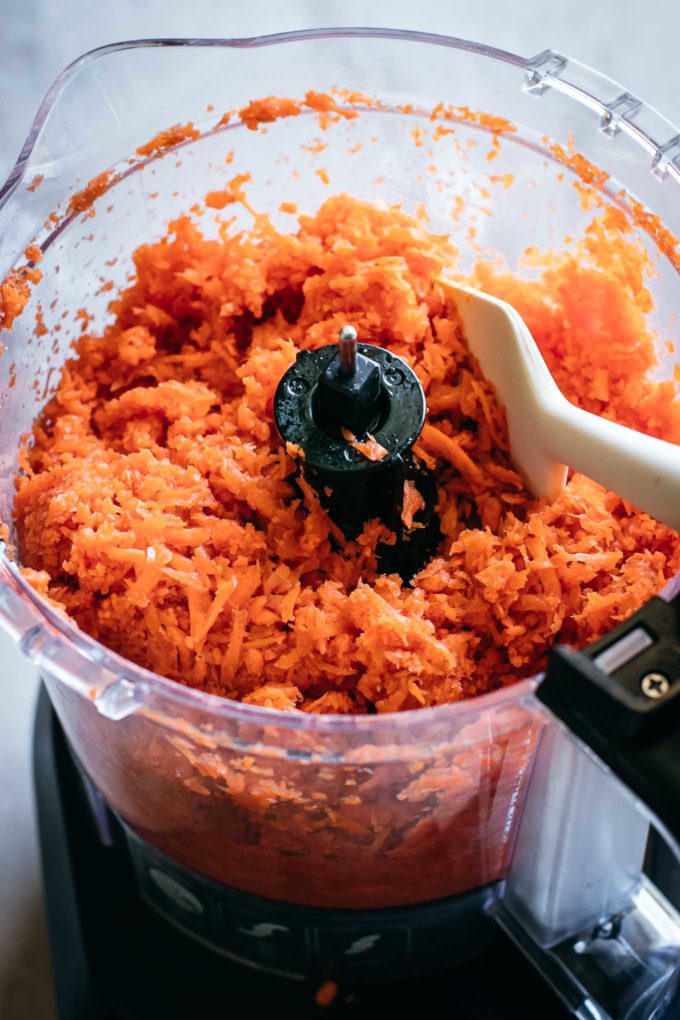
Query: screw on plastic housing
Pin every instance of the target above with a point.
(298, 386)
(394, 377)
(607, 929)
(654, 685)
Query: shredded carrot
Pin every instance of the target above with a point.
(266, 111)
(586, 171)
(507, 180)
(169, 138)
(94, 189)
(449, 448)
(15, 291)
(174, 527)
(33, 253)
(413, 502)
(218, 199)
(368, 447)
(327, 993)
(316, 147)
(295, 451)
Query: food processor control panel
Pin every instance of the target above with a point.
(296, 941)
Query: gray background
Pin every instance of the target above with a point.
(633, 42)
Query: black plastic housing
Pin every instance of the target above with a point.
(382, 401)
(636, 735)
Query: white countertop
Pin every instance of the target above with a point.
(632, 42)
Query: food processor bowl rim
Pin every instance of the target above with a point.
(548, 68)
(29, 612)
(244, 42)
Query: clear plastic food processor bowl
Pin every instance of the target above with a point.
(323, 810)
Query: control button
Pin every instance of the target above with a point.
(362, 947)
(177, 893)
(258, 937)
(263, 930)
(364, 944)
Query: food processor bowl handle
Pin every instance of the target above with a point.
(114, 696)
(17, 617)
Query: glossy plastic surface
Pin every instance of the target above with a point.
(348, 812)
(592, 895)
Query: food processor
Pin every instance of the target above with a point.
(201, 853)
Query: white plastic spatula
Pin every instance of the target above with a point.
(547, 432)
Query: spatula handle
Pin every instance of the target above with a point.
(643, 470)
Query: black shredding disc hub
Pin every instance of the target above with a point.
(314, 402)
(400, 417)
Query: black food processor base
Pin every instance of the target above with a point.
(116, 958)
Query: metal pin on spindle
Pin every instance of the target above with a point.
(347, 349)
